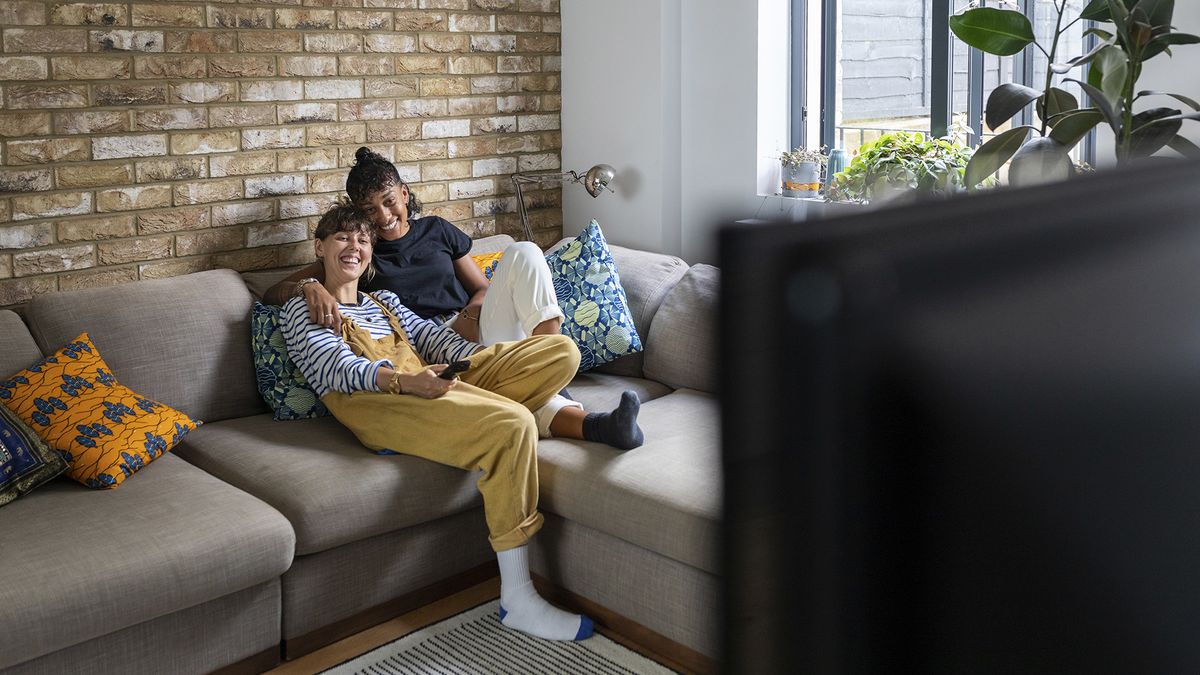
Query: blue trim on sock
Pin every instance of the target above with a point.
(586, 628)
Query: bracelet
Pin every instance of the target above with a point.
(468, 317)
(304, 282)
(394, 383)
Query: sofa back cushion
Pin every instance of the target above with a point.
(183, 341)
(681, 349)
(647, 278)
(19, 350)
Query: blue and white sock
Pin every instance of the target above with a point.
(521, 607)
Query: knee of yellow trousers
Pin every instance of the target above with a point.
(519, 535)
(568, 358)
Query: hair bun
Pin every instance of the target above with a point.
(365, 154)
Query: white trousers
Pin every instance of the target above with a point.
(520, 297)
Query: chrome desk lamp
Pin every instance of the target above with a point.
(595, 181)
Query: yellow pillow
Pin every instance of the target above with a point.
(487, 263)
(105, 431)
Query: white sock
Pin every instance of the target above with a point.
(523, 609)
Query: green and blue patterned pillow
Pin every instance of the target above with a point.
(26, 461)
(590, 294)
(280, 381)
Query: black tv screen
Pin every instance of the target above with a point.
(963, 436)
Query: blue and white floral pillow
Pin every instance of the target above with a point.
(280, 381)
(590, 294)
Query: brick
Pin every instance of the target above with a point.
(89, 14)
(476, 105)
(129, 94)
(5, 266)
(543, 6)
(247, 259)
(25, 236)
(519, 23)
(493, 84)
(16, 125)
(551, 24)
(542, 83)
(94, 229)
(518, 64)
(304, 18)
(537, 43)
(5, 211)
(90, 68)
(240, 116)
(420, 150)
(537, 122)
(478, 227)
(494, 5)
(472, 147)
(42, 40)
(396, 4)
(430, 192)
(94, 175)
(126, 41)
(60, 259)
(134, 250)
(45, 151)
(208, 191)
(262, 139)
(307, 112)
(176, 168)
(240, 213)
(452, 211)
(113, 276)
(326, 181)
(333, 89)
(173, 220)
(363, 20)
(174, 268)
(445, 4)
(409, 173)
(312, 159)
(472, 23)
(91, 122)
(22, 13)
(472, 65)
(337, 134)
(444, 43)
(209, 241)
(508, 145)
(420, 22)
(470, 189)
(513, 104)
(445, 128)
(434, 171)
(133, 198)
(542, 162)
(332, 43)
(238, 17)
(51, 205)
(421, 107)
(169, 66)
(203, 92)
(169, 119)
(204, 142)
(150, 14)
(20, 291)
(295, 207)
(391, 87)
(273, 90)
(26, 180)
(275, 42)
(300, 253)
(393, 43)
(504, 124)
(274, 186)
(242, 164)
(241, 65)
(494, 166)
(493, 43)
(24, 96)
(552, 64)
(352, 111)
(445, 86)
(308, 66)
(360, 64)
(493, 207)
(116, 147)
(201, 42)
(23, 68)
(398, 130)
(421, 63)
(276, 233)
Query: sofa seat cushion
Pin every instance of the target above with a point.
(599, 392)
(664, 496)
(20, 350)
(80, 563)
(318, 475)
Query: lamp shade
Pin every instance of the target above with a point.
(597, 179)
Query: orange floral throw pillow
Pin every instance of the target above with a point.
(487, 263)
(105, 431)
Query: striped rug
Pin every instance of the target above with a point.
(475, 642)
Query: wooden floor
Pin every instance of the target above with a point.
(386, 632)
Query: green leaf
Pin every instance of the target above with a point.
(1061, 68)
(1099, 33)
(1178, 97)
(1101, 102)
(992, 155)
(1070, 127)
(1007, 100)
(1113, 65)
(1041, 160)
(1184, 147)
(1096, 10)
(1003, 32)
(1055, 102)
(1119, 15)
(1158, 12)
(1162, 43)
(1152, 130)
(1183, 116)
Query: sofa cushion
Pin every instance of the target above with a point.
(601, 392)
(25, 460)
(20, 349)
(646, 278)
(184, 341)
(681, 349)
(331, 488)
(104, 430)
(664, 496)
(78, 563)
(279, 379)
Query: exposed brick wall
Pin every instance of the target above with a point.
(151, 139)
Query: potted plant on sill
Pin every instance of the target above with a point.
(801, 172)
(1141, 30)
(904, 164)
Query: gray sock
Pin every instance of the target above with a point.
(618, 428)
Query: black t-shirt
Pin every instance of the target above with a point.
(419, 267)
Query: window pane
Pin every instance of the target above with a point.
(883, 69)
(1070, 45)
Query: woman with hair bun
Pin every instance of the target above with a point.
(424, 260)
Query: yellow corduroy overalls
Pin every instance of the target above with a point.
(483, 423)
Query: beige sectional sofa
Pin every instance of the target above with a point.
(257, 539)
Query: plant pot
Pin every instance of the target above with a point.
(801, 180)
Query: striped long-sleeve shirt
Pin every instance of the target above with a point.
(327, 361)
